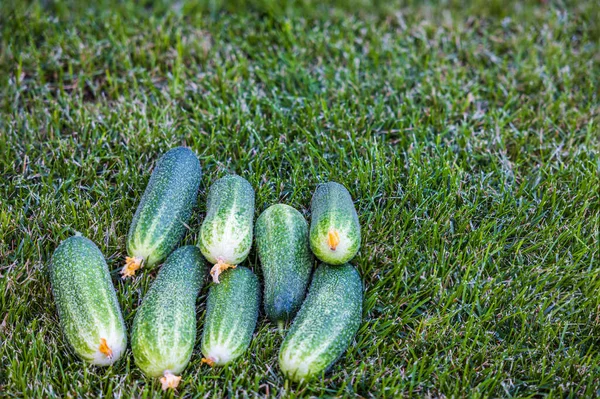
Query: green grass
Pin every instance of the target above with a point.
(469, 137)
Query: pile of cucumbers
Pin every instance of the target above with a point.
(163, 334)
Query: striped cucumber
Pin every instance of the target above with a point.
(231, 313)
(326, 323)
(334, 228)
(165, 209)
(87, 303)
(164, 328)
(286, 260)
(226, 233)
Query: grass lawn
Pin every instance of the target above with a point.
(468, 136)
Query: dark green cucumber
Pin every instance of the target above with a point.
(334, 228)
(231, 314)
(325, 325)
(286, 260)
(164, 328)
(226, 233)
(165, 209)
(87, 304)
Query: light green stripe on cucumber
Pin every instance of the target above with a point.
(164, 328)
(325, 325)
(334, 227)
(286, 260)
(87, 304)
(226, 233)
(160, 221)
(231, 314)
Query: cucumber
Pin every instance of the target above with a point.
(325, 325)
(286, 260)
(164, 328)
(165, 209)
(226, 233)
(334, 228)
(231, 314)
(87, 304)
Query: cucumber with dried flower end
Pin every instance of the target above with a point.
(334, 227)
(164, 328)
(165, 209)
(325, 325)
(87, 304)
(226, 233)
(231, 314)
(286, 260)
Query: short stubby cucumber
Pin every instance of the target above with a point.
(226, 233)
(334, 227)
(166, 207)
(164, 328)
(87, 303)
(231, 314)
(325, 325)
(286, 260)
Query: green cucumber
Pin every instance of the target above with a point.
(226, 233)
(231, 314)
(164, 328)
(87, 304)
(334, 228)
(165, 209)
(286, 260)
(325, 325)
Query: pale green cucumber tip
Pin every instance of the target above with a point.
(220, 354)
(295, 371)
(281, 325)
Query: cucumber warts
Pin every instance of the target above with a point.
(166, 206)
(231, 313)
(87, 303)
(226, 233)
(164, 328)
(286, 260)
(325, 325)
(334, 228)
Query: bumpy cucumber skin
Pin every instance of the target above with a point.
(326, 323)
(226, 232)
(160, 220)
(332, 208)
(286, 260)
(231, 314)
(164, 328)
(86, 300)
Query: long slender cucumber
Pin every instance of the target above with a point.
(160, 220)
(164, 328)
(231, 314)
(87, 304)
(226, 233)
(286, 260)
(325, 325)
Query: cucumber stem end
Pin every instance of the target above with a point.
(105, 349)
(219, 268)
(169, 380)
(333, 239)
(281, 326)
(208, 360)
(131, 265)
